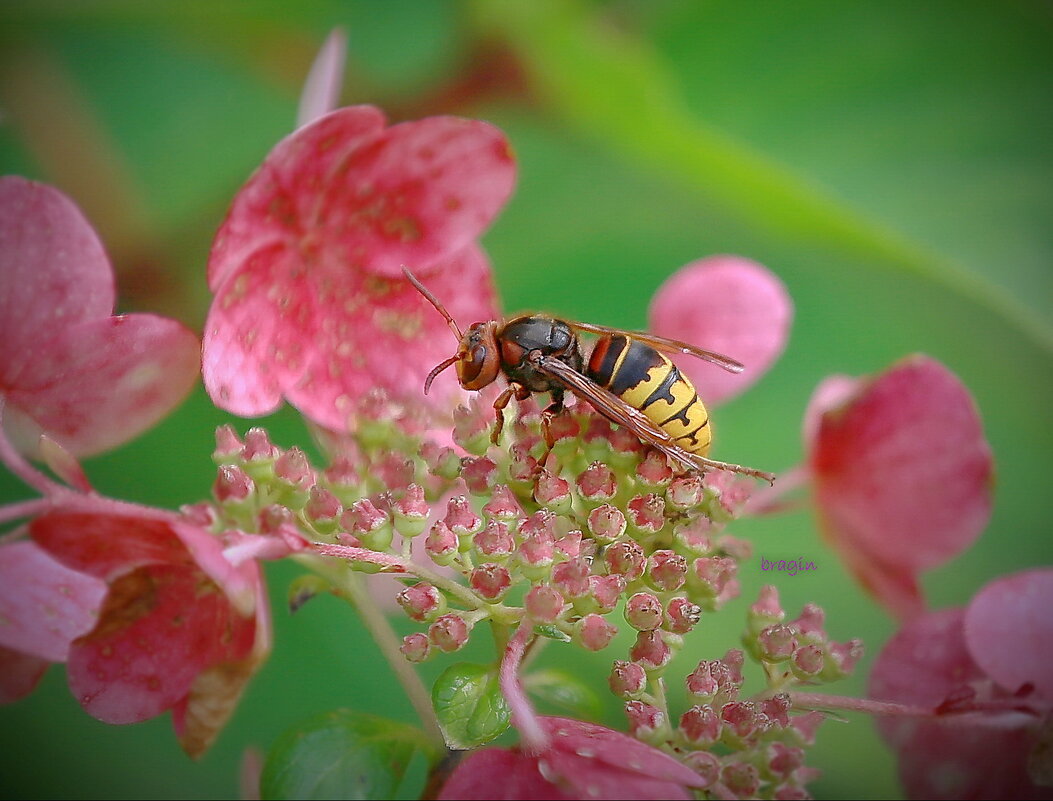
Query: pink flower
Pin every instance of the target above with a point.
(147, 611)
(730, 305)
(68, 368)
(310, 301)
(985, 672)
(902, 474)
(582, 760)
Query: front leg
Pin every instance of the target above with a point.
(547, 415)
(520, 392)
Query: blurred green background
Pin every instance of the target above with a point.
(890, 161)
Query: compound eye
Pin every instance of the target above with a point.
(472, 364)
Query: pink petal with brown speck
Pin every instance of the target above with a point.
(729, 305)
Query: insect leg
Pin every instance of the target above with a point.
(499, 412)
(547, 414)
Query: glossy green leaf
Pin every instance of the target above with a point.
(469, 705)
(341, 754)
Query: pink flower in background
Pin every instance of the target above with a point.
(985, 671)
(89, 380)
(902, 474)
(310, 302)
(582, 760)
(730, 305)
(158, 618)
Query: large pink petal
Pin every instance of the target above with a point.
(325, 337)
(108, 546)
(280, 203)
(321, 90)
(19, 674)
(902, 469)
(98, 383)
(501, 775)
(730, 305)
(160, 627)
(53, 270)
(924, 664)
(44, 605)
(1009, 630)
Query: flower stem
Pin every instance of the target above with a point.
(821, 701)
(387, 641)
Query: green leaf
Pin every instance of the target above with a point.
(469, 705)
(564, 691)
(341, 754)
(619, 91)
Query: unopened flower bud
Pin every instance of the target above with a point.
(681, 615)
(645, 515)
(596, 484)
(415, 647)
(605, 591)
(293, 469)
(705, 764)
(462, 520)
(783, 759)
(490, 580)
(544, 603)
(440, 461)
(693, 537)
(571, 578)
(553, 492)
(272, 518)
(626, 447)
(606, 523)
(410, 512)
(441, 544)
(627, 680)
(232, 485)
(645, 720)
(258, 450)
(495, 542)
(709, 576)
(810, 622)
(776, 643)
(503, 505)
(370, 525)
(594, 632)
(807, 661)
(535, 556)
(479, 474)
(766, 611)
(701, 725)
(654, 473)
(570, 545)
(685, 492)
(422, 602)
(740, 721)
(666, 571)
(842, 659)
(651, 650)
(643, 611)
(228, 446)
(626, 559)
(522, 468)
(777, 709)
(449, 633)
(741, 778)
(471, 429)
(323, 509)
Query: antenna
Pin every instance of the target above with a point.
(434, 302)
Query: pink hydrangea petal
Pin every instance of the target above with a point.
(327, 337)
(98, 383)
(240, 583)
(280, 203)
(44, 605)
(501, 775)
(902, 470)
(730, 305)
(106, 546)
(894, 586)
(1009, 630)
(159, 629)
(53, 270)
(322, 87)
(833, 392)
(597, 779)
(926, 662)
(19, 674)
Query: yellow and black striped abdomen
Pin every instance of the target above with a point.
(650, 382)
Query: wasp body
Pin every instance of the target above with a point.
(627, 378)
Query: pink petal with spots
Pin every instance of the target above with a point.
(98, 383)
(159, 629)
(44, 605)
(501, 775)
(108, 546)
(902, 470)
(369, 199)
(730, 305)
(833, 392)
(977, 756)
(1009, 630)
(324, 338)
(53, 270)
(19, 674)
(322, 88)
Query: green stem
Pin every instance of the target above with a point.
(387, 641)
